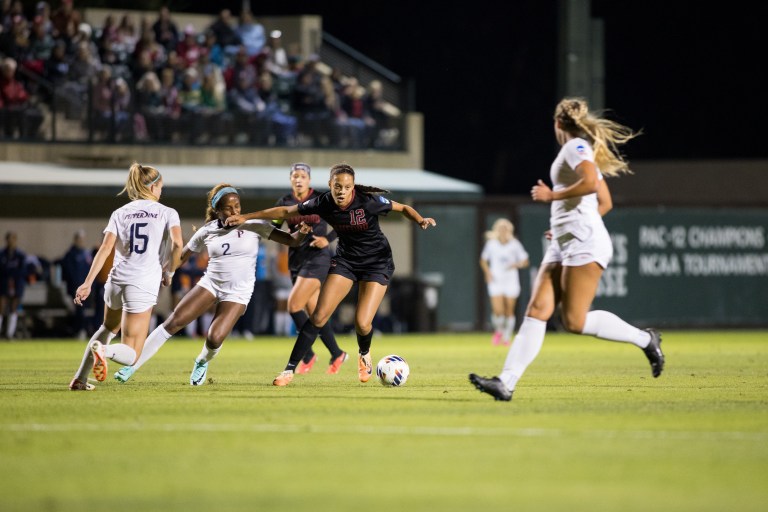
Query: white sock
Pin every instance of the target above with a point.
(608, 326)
(523, 351)
(155, 340)
(120, 353)
(86, 364)
(497, 321)
(13, 319)
(207, 353)
(509, 327)
(102, 334)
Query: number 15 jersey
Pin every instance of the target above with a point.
(140, 227)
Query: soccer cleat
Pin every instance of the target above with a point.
(496, 340)
(335, 365)
(283, 379)
(124, 373)
(99, 361)
(78, 385)
(364, 367)
(199, 371)
(306, 367)
(653, 352)
(492, 386)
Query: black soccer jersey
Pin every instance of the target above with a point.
(297, 256)
(361, 240)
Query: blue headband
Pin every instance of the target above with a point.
(154, 180)
(221, 193)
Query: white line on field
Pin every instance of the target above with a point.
(686, 435)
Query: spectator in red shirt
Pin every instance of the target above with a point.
(17, 113)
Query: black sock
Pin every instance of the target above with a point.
(364, 342)
(304, 342)
(299, 318)
(329, 340)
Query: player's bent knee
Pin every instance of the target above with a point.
(573, 324)
(319, 319)
(363, 328)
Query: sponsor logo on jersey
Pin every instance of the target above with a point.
(581, 149)
(141, 214)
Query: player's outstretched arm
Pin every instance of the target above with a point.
(275, 213)
(291, 240)
(412, 214)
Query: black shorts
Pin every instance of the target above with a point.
(380, 272)
(311, 270)
(315, 267)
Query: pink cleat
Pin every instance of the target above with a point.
(306, 367)
(496, 340)
(364, 367)
(335, 365)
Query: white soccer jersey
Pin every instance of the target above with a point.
(501, 257)
(140, 227)
(232, 251)
(567, 213)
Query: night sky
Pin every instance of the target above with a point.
(485, 76)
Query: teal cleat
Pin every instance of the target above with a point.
(124, 373)
(199, 371)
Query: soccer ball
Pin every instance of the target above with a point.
(392, 370)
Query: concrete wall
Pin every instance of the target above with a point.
(118, 155)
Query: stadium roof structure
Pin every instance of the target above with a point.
(41, 179)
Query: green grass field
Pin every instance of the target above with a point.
(588, 429)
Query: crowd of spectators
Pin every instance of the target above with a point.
(158, 82)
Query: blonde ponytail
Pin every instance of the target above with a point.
(139, 182)
(605, 135)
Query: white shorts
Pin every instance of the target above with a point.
(507, 288)
(570, 251)
(128, 297)
(228, 291)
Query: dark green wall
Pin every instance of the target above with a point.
(678, 267)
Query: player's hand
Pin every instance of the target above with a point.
(541, 192)
(427, 222)
(82, 293)
(319, 242)
(234, 220)
(167, 278)
(548, 234)
(305, 228)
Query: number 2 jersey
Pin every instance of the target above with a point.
(140, 227)
(361, 240)
(232, 251)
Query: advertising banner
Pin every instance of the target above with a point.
(677, 267)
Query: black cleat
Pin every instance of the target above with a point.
(653, 352)
(492, 386)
